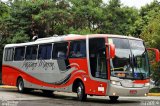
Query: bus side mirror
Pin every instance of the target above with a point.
(112, 51)
(156, 53)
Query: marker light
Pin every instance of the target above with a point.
(145, 94)
(147, 84)
(114, 94)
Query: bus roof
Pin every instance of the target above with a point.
(68, 38)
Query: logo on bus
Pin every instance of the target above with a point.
(41, 63)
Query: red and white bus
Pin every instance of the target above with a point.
(97, 64)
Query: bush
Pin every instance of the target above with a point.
(154, 90)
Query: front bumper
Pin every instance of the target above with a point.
(115, 90)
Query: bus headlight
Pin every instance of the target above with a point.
(116, 83)
(147, 84)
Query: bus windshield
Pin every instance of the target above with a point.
(131, 60)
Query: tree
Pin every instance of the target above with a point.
(119, 19)
(150, 11)
(4, 9)
(4, 13)
(87, 16)
(150, 31)
(146, 14)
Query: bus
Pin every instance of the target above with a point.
(95, 64)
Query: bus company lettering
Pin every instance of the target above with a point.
(40, 63)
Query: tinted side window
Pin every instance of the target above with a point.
(45, 51)
(9, 52)
(77, 49)
(60, 50)
(31, 53)
(19, 53)
(120, 43)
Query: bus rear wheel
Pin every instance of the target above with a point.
(81, 92)
(20, 85)
(113, 98)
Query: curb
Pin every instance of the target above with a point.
(6, 86)
(153, 94)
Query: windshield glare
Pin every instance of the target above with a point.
(131, 60)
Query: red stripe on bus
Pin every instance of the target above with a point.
(10, 75)
(141, 81)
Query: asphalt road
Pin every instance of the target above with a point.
(10, 97)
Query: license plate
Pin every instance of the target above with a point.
(133, 92)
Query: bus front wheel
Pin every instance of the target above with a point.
(81, 92)
(113, 98)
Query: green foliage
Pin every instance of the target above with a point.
(4, 9)
(154, 90)
(45, 18)
(150, 31)
(119, 19)
(80, 31)
(19, 37)
(151, 36)
(86, 15)
(147, 14)
(150, 11)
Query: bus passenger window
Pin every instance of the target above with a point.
(9, 52)
(31, 53)
(19, 53)
(78, 49)
(45, 51)
(60, 50)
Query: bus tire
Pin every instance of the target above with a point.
(113, 98)
(20, 85)
(81, 96)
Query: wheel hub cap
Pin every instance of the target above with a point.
(79, 91)
(20, 86)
